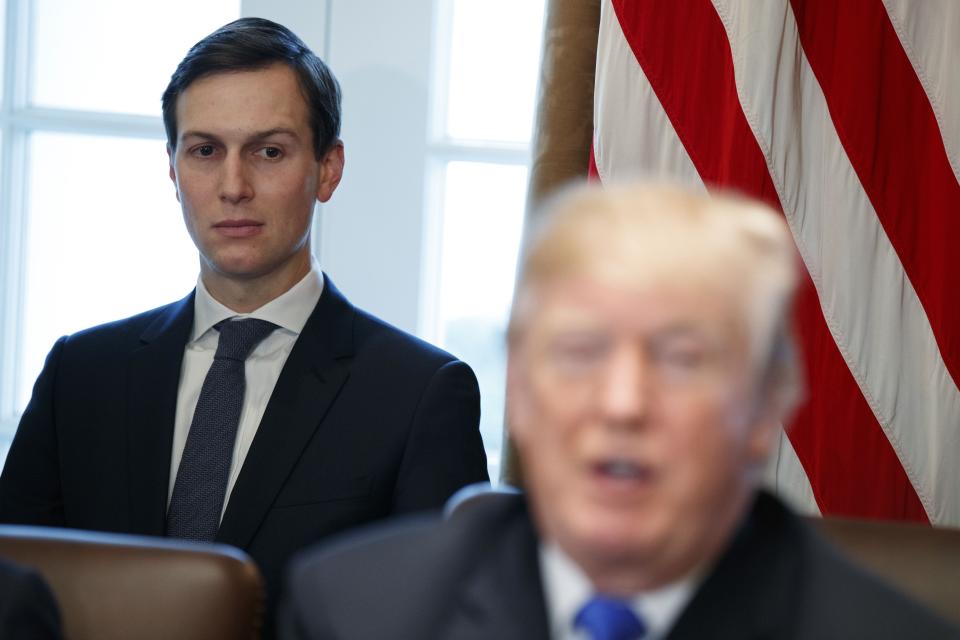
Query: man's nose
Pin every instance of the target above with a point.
(235, 185)
(623, 396)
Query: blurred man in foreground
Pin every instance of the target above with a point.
(650, 367)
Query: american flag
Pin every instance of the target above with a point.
(845, 115)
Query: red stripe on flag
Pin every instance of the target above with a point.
(592, 172)
(890, 133)
(683, 50)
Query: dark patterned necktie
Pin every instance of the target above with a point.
(201, 484)
(606, 618)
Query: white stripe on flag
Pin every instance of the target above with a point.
(930, 34)
(786, 478)
(869, 304)
(635, 136)
(640, 139)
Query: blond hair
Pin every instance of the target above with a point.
(638, 234)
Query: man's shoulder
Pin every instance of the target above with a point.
(13, 578)
(27, 607)
(423, 539)
(18, 583)
(397, 568)
(372, 336)
(850, 601)
(129, 329)
(375, 334)
(780, 579)
(835, 597)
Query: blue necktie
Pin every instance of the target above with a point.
(606, 618)
(201, 484)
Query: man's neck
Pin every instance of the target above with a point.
(244, 295)
(626, 573)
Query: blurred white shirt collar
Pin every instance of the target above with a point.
(566, 589)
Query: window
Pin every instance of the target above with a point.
(131, 240)
(86, 207)
(484, 89)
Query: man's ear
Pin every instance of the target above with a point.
(331, 171)
(777, 397)
(764, 436)
(173, 172)
(517, 409)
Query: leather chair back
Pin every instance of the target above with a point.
(117, 586)
(921, 561)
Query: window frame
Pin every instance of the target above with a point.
(19, 120)
(441, 150)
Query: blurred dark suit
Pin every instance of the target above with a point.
(27, 609)
(477, 576)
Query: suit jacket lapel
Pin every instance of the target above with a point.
(752, 589)
(503, 597)
(153, 378)
(308, 385)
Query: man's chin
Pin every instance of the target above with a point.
(245, 266)
(616, 534)
(237, 274)
(236, 267)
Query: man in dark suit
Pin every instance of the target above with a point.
(263, 410)
(650, 366)
(27, 609)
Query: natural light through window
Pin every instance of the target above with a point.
(123, 64)
(105, 207)
(90, 229)
(485, 110)
(481, 234)
(494, 59)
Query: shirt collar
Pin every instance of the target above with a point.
(290, 310)
(567, 589)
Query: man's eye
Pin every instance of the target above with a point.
(680, 362)
(204, 150)
(271, 153)
(577, 355)
(682, 358)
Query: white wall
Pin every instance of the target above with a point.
(308, 18)
(371, 233)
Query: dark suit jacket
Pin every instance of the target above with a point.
(365, 421)
(27, 609)
(476, 575)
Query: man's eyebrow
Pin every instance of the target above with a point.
(259, 135)
(276, 131)
(679, 331)
(199, 134)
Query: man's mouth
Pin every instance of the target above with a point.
(241, 228)
(621, 474)
(622, 469)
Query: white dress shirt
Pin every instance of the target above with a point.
(289, 312)
(566, 589)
